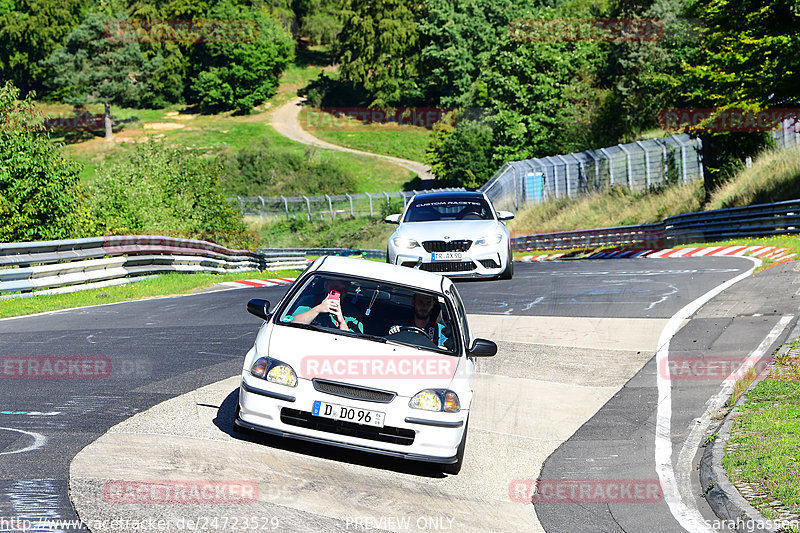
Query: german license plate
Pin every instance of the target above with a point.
(349, 414)
(445, 256)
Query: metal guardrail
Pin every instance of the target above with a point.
(645, 236)
(54, 265)
(372, 254)
(781, 218)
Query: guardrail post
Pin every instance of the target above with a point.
(596, 159)
(263, 208)
(330, 206)
(630, 168)
(700, 159)
(351, 205)
(566, 174)
(285, 205)
(610, 166)
(388, 201)
(646, 162)
(683, 156)
(241, 205)
(370, 204)
(308, 206)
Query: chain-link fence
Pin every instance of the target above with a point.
(328, 206)
(637, 166)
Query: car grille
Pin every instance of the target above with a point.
(446, 246)
(390, 434)
(448, 267)
(489, 263)
(353, 392)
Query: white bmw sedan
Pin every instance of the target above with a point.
(366, 356)
(458, 234)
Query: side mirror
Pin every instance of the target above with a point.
(482, 348)
(393, 219)
(505, 215)
(259, 307)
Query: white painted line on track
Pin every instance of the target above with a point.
(685, 512)
(38, 441)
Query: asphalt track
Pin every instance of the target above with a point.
(573, 324)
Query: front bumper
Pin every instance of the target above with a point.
(471, 265)
(407, 433)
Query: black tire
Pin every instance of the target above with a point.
(236, 427)
(455, 468)
(508, 273)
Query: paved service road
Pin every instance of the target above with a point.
(552, 374)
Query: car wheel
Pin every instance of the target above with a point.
(508, 273)
(455, 468)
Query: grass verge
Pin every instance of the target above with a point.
(403, 141)
(764, 444)
(170, 284)
(365, 233)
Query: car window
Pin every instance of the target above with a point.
(448, 209)
(375, 311)
(461, 313)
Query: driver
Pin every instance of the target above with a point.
(423, 319)
(327, 311)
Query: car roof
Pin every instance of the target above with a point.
(453, 195)
(362, 268)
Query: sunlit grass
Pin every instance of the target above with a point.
(163, 285)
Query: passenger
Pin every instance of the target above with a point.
(327, 310)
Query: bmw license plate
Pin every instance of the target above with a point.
(445, 256)
(348, 414)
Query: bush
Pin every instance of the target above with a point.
(166, 191)
(261, 169)
(40, 197)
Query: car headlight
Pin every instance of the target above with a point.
(274, 371)
(492, 239)
(436, 400)
(403, 242)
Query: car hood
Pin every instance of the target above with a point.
(391, 367)
(449, 230)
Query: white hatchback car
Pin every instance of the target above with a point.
(366, 356)
(458, 234)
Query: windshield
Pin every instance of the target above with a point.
(372, 310)
(449, 209)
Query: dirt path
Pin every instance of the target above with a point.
(284, 120)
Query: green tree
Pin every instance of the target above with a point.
(749, 60)
(320, 21)
(378, 50)
(40, 198)
(239, 71)
(93, 67)
(461, 156)
(30, 30)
